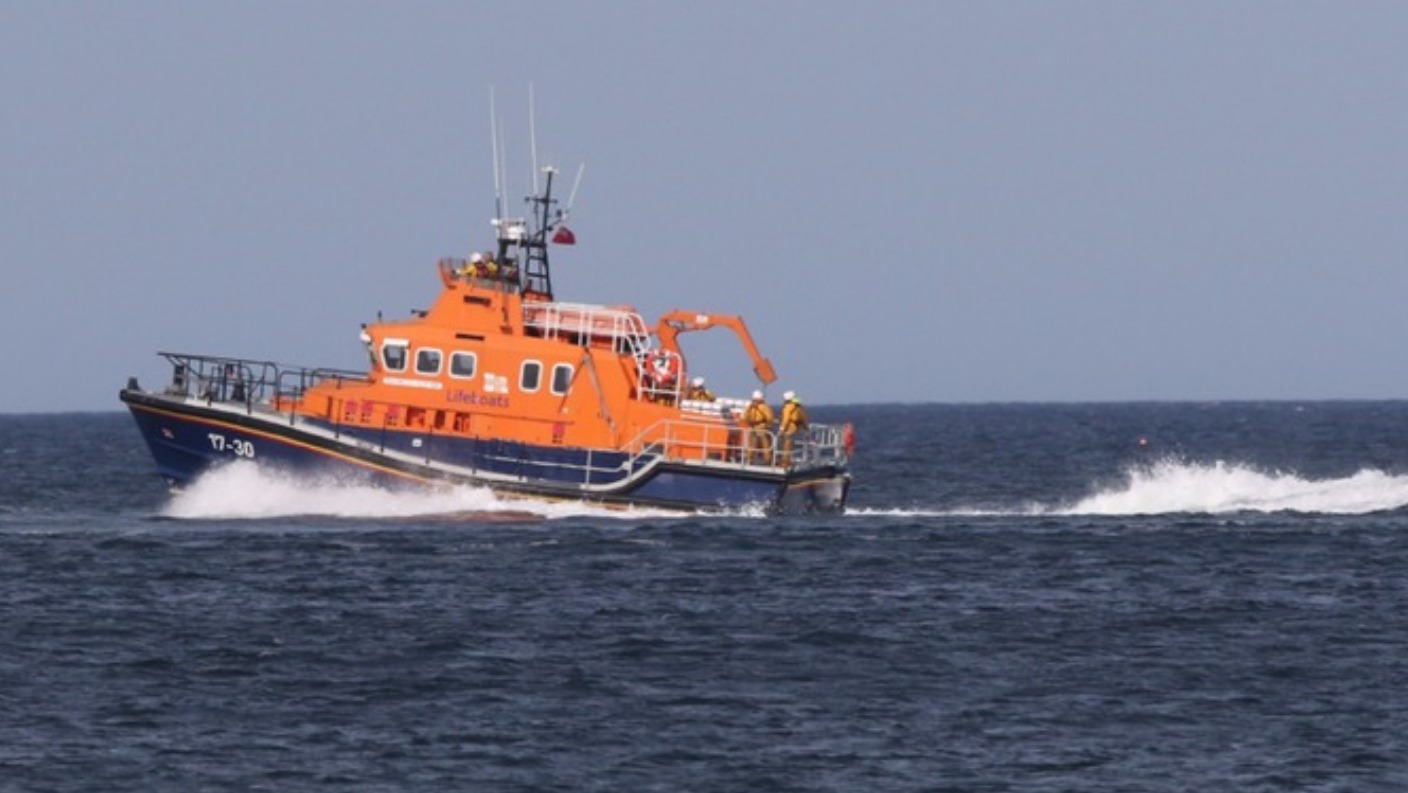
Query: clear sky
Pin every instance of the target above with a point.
(908, 201)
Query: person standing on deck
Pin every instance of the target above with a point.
(758, 417)
(794, 420)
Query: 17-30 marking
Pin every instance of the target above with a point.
(236, 447)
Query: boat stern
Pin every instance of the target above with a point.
(819, 491)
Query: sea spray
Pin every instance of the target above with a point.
(1172, 485)
(247, 491)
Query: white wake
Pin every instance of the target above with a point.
(247, 491)
(1176, 486)
(1215, 488)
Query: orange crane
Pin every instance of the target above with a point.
(673, 323)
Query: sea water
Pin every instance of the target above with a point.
(1145, 597)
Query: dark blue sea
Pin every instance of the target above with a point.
(1097, 597)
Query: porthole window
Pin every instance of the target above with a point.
(428, 361)
(531, 376)
(463, 364)
(393, 356)
(561, 378)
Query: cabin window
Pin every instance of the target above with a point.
(462, 364)
(428, 361)
(561, 378)
(531, 376)
(393, 355)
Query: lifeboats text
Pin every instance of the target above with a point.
(477, 399)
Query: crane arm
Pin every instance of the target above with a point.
(673, 323)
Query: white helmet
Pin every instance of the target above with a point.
(698, 382)
(789, 396)
(475, 258)
(757, 395)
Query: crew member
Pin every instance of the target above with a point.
(489, 267)
(758, 418)
(470, 267)
(697, 391)
(794, 420)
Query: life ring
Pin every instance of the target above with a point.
(848, 439)
(664, 368)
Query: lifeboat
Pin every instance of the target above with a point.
(500, 385)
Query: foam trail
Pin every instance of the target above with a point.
(1172, 486)
(1175, 486)
(246, 491)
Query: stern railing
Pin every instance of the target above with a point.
(732, 444)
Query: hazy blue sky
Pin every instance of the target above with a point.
(908, 201)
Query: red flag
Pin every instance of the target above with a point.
(564, 236)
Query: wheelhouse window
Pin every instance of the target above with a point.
(428, 361)
(561, 378)
(531, 376)
(463, 364)
(393, 355)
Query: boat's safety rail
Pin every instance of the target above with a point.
(246, 382)
(587, 325)
(730, 443)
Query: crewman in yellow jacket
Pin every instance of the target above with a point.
(468, 267)
(794, 420)
(489, 268)
(698, 391)
(758, 418)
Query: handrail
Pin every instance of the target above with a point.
(817, 445)
(580, 323)
(245, 381)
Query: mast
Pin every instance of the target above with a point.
(523, 242)
(537, 275)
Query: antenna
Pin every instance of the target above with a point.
(503, 153)
(572, 196)
(494, 132)
(533, 136)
